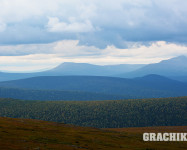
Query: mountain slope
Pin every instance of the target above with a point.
(70, 68)
(148, 86)
(75, 69)
(179, 78)
(29, 94)
(15, 76)
(173, 67)
(37, 134)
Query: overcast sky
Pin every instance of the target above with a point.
(40, 34)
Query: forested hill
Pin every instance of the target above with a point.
(29, 94)
(102, 114)
(151, 86)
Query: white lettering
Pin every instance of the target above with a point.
(146, 136)
(178, 136)
(166, 136)
(183, 136)
(172, 136)
(152, 136)
(159, 137)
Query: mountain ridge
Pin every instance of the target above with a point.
(70, 68)
(147, 87)
(176, 66)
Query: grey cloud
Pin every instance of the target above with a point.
(119, 22)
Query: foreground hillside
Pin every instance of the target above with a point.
(18, 134)
(102, 114)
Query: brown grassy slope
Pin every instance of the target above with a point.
(18, 134)
(162, 129)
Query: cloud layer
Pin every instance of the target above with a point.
(54, 25)
(29, 57)
(42, 34)
(94, 22)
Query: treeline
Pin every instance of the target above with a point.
(101, 114)
(29, 94)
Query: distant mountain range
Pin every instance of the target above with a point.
(175, 68)
(81, 81)
(85, 69)
(150, 86)
(69, 68)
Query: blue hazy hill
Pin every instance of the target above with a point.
(69, 68)
(148, 86)
(173, 67)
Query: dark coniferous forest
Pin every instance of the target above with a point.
(102, 114)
